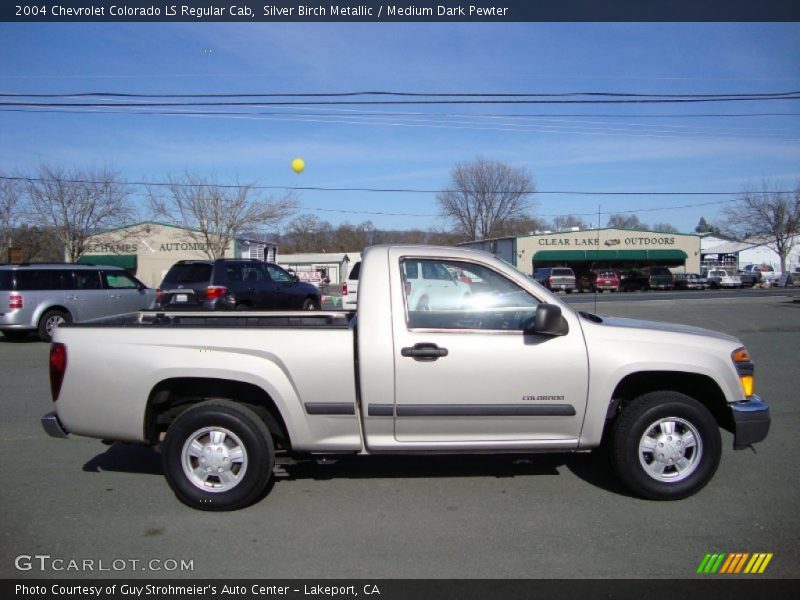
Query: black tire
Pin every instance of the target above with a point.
(51, 319)
(243, 430)
(242, 306)
(694, 441)
(310, 304)
(15, 335)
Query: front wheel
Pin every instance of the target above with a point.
(665, 446)
(218, 455)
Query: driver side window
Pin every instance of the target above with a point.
(447, 294)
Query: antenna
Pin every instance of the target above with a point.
(597, 256)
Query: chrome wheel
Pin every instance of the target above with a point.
(670, 449)
(214, 459)
(52, 322)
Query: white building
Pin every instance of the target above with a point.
(751, 252)
(149, 249)
(315, 268)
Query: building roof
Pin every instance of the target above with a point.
(322, 257)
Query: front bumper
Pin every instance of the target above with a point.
(750, 422)
(53, 426)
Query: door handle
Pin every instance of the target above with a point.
(115, 296)
(424, 352)
(72, 297)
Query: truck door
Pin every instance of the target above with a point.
(467, 371)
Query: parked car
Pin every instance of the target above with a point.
(634, 279)
(430, 286)
(599, 280)
(747, 277)
(39, 297)
(234, 284)
(350, 288)
(762, 273)
(690, 281)
(659, 278)
(720, 278)
(556, 278)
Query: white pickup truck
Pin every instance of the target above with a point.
(498, 364)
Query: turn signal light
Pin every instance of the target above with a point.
(748, 384)
(740, 355)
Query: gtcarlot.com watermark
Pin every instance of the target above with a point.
(45, 562)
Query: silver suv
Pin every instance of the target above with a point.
(39, 297)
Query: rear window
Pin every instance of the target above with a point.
(189, 273)
(38, 279)
(356, 270)
(660, 271)
(563, 272)
(608, 274)
(6, 281)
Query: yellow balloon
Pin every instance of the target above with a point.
(298, 164)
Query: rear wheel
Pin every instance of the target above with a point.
(310, 304)
(218, 455)
(665, 446)
(49, 321)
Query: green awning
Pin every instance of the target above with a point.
(551, 255)
(126, 261)
(666, 255)
(608, 255)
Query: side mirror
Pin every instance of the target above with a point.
(548, 320)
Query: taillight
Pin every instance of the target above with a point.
(15, 301)
(159, 295)
(215, 291)
(344, 289)
(58, 366)
(407, 287)
(549, 280)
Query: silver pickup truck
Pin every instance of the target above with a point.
(498, 364)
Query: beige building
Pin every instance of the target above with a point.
(149, 249)
(597, 248)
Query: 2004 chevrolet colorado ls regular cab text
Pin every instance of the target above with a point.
(496, 365)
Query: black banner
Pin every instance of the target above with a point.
(727, 588)
(394, 11)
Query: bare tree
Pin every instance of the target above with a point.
(10, 213)
(621, 221)
(664, 228)
(562, 222)
(77, 204)
(307, 233)
(483, 195)
(212, 215)
(769, 216)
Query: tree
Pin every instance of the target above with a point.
(484, 195)
(769, 216)
(307, 233)
(704, 226)
(620, 221)
(77, 203)
(38, 244)
(212, 215)
(564, 222)
(525, 225)
(10, 211)
(665, 228)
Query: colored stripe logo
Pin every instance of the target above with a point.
(735, 563)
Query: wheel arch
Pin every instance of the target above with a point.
(170, 397)
(700, 387)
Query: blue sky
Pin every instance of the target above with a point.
(585, 151)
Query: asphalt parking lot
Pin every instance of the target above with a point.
(543, 516)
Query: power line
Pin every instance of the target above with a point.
(751, 95)
(385, 190)
(394, 102)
